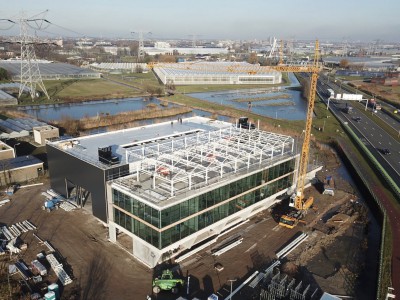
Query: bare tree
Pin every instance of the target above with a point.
(253, 58)
(344, 63)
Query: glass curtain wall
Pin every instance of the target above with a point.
(174, 214)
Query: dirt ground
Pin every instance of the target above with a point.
(99, 269)
(387, 92)
(102, 270)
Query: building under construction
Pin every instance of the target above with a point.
(173, 185)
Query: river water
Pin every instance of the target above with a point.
(280, 107)
(290, 106)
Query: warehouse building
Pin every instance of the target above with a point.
(50, 70)
(187, 73)
(167, 187)
(19, 169)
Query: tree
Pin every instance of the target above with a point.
(4, 75)
(344, 63)
(253, 58)
(138, 68)
(305, 87)
(167, 58)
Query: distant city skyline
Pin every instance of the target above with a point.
(223, 19)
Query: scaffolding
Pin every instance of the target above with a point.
(280, 287)
(195, 159)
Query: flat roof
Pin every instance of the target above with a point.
(214, 68)
(20, 162)
(47, 69)
(86, 148)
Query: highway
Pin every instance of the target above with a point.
(385, 117)
(373, 136)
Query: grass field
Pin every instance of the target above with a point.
(84, 89)
(121, 86)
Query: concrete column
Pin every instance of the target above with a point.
(112, 233)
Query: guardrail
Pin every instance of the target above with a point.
(375, 162)
(380, 290)
(380, 295)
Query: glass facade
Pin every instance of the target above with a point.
(209, 202)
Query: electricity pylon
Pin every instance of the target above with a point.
(30, 77)
(141, 45)
(30, 74)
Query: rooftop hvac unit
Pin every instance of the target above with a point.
(106, 156)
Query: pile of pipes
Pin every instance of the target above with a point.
(17, 229)
(58, 269)
(293, 245)
(64, 204)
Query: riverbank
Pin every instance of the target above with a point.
(74, 127)
(266, 98)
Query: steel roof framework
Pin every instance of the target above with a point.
(189, 160)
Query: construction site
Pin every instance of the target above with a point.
(304, 261)
(195, 209)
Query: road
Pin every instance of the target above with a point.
(373, 136)
(340, 88)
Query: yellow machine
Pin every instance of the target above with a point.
(297, 200)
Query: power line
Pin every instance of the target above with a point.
(30, 77)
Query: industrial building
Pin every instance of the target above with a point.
(18, 127)
(50, 70)
(162, 48)
(187, 73)
(7, 99)
(170, 186)
(21, 169)
(17, 169)
(120, 67)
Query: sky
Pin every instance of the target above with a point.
(352, 20)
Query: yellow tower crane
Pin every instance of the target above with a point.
(281, 53)
(298, 202)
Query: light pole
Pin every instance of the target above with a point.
(231, 281)
(15, 148)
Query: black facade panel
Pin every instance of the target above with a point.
(66, 169)
(63, 167)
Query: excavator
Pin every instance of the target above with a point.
(298, 202)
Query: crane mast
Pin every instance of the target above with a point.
(298, 199)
